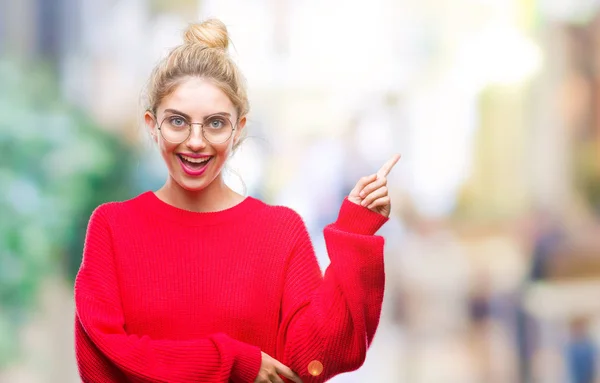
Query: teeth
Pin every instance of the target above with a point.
(195, 160)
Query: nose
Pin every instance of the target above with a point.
(195, 141)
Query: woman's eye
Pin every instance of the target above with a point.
(216, 124)
(177, 121)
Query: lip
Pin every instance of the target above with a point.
(190, 171)
(194, 155)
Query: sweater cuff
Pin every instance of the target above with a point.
(247, 363)
(358, 219)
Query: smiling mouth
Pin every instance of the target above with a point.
(194, 163)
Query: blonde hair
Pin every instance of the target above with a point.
(203, 54)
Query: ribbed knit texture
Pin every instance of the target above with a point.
(168, 295)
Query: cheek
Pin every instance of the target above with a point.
(166, 149)
(224, 151)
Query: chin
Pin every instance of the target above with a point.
(192, 186)
(193, 183)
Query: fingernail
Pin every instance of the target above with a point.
(362, 194)
(315, 368)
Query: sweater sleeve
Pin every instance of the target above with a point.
(105, 351)
(329, 321)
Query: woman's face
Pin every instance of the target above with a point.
(194, 163)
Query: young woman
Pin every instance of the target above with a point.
(196, 283)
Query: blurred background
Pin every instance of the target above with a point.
(493, 247)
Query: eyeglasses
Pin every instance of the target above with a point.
(216, 129)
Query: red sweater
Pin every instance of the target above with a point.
(169, 295)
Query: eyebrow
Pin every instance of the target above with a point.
(187, 116)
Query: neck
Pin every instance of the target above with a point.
(215, 197)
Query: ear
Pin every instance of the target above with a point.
(151, 125)
(239, 130)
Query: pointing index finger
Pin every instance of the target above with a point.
(387, 167)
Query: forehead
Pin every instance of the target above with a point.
(198, 97)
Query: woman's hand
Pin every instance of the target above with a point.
(271, 368)
(372, 192)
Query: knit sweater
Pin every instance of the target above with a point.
(169, 295)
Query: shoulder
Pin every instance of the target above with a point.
(109, 211)
(281, 222)
(280, 214)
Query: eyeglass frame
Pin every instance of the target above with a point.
(233, 127)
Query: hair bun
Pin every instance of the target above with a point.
(212, 33)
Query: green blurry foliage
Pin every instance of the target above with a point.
(56, 166)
